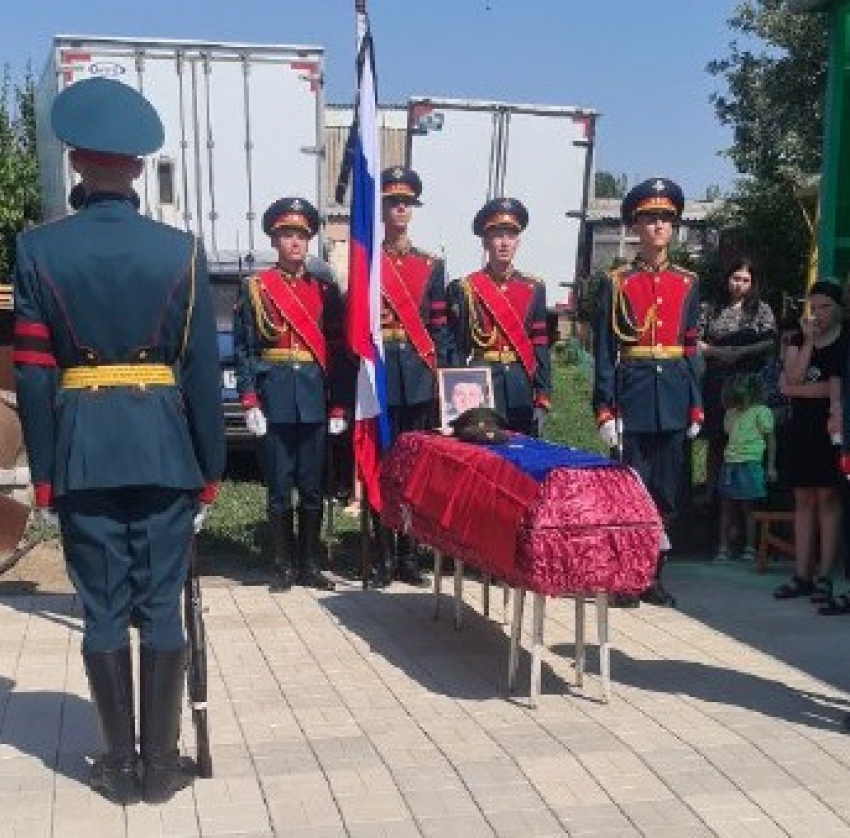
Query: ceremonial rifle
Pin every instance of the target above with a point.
(196, 670)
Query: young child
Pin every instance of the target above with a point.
(748, 422)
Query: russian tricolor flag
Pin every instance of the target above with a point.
(371, 430)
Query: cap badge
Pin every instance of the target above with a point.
(297, 205)
(658, 186)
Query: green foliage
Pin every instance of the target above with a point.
(19, 204)
(588, 294)
(236, 519)
(767, 222)
(607, 185)
(571, 420)
(774, 104)
(775, 95)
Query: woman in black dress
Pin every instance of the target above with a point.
(814, 365)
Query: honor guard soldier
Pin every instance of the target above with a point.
(646, 392)
(119, 390)
(415, 337)
(498, 319)
(287, 336)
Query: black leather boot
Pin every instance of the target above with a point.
(282, 528)
(383, 564)
(163, 676)
(309, 534)
(408, 563)
(656, 593)
(114, 775)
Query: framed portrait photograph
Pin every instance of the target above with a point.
(461, 389)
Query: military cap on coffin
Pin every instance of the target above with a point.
(481, 425)
(107, 117)
(500, 212)
(399, 180)
(658, 193)
(295, 213)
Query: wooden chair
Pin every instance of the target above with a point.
(766, 537)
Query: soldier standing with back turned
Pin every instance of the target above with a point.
(120, 398)
(646, 391)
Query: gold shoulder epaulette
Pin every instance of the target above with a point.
(7, 297)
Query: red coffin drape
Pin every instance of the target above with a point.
(579, 530)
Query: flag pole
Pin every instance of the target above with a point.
(365, 523)
(363, 164)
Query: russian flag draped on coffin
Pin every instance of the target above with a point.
(544, 517)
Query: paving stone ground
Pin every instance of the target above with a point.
(356, 714)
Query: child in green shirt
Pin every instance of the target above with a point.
(748, 423)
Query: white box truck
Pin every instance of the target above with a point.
(468, 151)
(244, 125)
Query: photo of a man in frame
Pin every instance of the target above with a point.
(462, 389)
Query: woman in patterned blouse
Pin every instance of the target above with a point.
(736, 334)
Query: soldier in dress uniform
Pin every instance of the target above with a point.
(119, 391)
(498, 319)
(416, 341)
(646, 393)
(290, 374)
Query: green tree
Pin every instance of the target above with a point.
(606, 185)
(19, 204)
(775, 78)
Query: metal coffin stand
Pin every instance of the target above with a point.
(537, 621)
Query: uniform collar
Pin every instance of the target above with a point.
(642, 265)
(103, 197)
(402, 249)
(292, 276)
(510, 274)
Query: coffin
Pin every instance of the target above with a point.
(544, 517)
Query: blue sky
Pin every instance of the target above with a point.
(641, 63)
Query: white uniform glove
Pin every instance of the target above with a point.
(201, 516)
(255, 421)
(609, 433)
(337, 425)
(48, 517)
(694, 429)
(540, 416)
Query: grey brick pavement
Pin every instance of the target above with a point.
(355, 714)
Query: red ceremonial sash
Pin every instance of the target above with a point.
(398, 297)
(300, 320)
(506, 317)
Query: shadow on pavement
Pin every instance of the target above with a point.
(56, 728)
(738, 601)
(470, 663)
(62, 609)
(715, 684)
